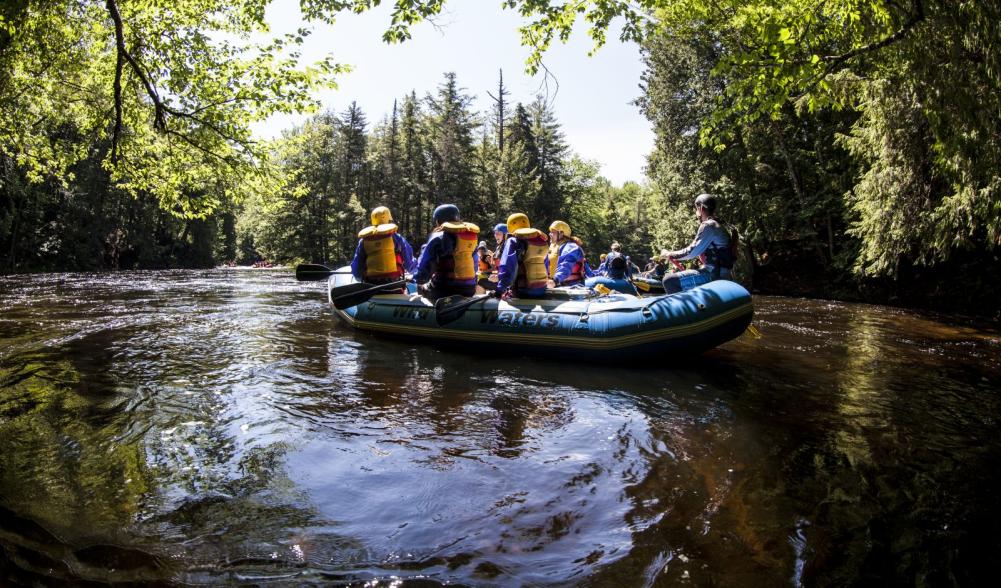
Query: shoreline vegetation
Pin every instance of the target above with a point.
(856, 145)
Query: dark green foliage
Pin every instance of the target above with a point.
(450, 126)
(781, 179)
(90, 226)
(419, 158)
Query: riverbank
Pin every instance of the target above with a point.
(967, 287)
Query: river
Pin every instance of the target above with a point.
(205, 427)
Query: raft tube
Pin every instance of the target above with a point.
(654, 286)
(616, 327)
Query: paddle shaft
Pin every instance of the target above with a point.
(349, 295)
(453, 313)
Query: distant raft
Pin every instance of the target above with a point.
(579, 325)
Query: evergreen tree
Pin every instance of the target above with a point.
(387, 164)
(552, 151)
(414, 180)
(352, 177)
(450, 126)
(517, 181)
(520, 165)
(499, 118)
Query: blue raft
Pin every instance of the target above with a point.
(580, 325)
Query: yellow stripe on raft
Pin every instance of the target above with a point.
(571, 341)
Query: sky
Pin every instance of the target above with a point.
(476, 39)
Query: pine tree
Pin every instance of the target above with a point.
(414, 174)
(518, 185)
(488, 208)
(386, 164)
(552, 150)
(499, 111)
(450, 127)
(352, 165)
(519, 175)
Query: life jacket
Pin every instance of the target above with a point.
(459, 265)
(383, 261)
(532, 251)
(485, 266)
(577, 271)
(495, 261)
(722, 257)
(615, 265)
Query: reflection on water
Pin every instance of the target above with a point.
(205, 427)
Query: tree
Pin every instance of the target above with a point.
(517, 180)
(520, 162)
(415, 181)
(837, 54)
(386, 165)
(781, 179)
(499, 118)
(168, 92)
(552, 150)
(488, 207)
(450, 128)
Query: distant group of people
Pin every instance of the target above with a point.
(526, 261)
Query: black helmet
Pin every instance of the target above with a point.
(707, 201)
(446, 213)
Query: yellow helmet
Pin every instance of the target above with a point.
(381, 216)
(517, 221)
(561, 227)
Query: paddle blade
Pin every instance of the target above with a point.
(448, 312)
(642, 285)
(311, 272)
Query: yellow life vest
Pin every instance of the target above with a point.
(460, 267)
(382, 260)
(532, 263)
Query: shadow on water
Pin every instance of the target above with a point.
(218, 427)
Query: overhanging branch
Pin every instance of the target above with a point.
(161, 110)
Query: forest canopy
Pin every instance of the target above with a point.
(864, 132)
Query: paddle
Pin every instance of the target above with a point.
(311, 272)
(354, 294)
(446, 313)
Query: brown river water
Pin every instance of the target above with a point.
(220, 427)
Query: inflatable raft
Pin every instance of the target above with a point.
(653, 286)
(578, 324)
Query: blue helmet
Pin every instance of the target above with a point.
(446, 213)
(500, 227)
